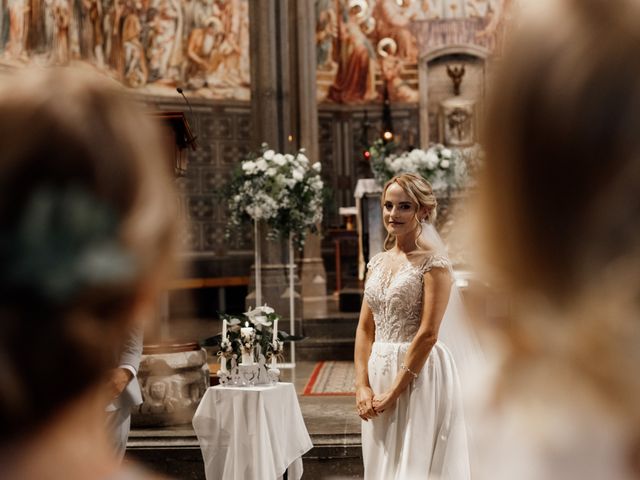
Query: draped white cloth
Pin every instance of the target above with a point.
(251, 433)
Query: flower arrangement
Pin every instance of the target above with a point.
(249, 342)
(241, 334)
(443, 167)
(284, 190)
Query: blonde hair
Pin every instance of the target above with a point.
(421, 194)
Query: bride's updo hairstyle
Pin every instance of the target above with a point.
(421, 194)
(87, 214)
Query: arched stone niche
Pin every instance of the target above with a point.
(454, 41)
(436, 86)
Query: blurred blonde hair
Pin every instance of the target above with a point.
(75, 138)
(421, 194)
(560, 203)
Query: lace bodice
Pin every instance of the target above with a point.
(394, 293)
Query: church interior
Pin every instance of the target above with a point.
(352, 92)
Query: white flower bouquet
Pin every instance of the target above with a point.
(443, 167)
(283, 190)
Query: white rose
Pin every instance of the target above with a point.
(268, 155)
(302, 158)
(431, 160)
(290, 182)
(446, 153)
(249, 166)
(279, 159)
(267, 310)
(271, 171)
(317, 167)
(297, 175)
(444, 164)
(262, 165)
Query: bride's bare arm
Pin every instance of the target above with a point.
(365, 335)
(435, 296)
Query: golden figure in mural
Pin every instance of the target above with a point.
(392, 21)
(136, 72)
(62, 20)
(391, 68)
(355, 80)
(326, 34)
(203, 52)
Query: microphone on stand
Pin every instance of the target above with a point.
(181, 92)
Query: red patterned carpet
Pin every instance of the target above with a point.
(331, 378)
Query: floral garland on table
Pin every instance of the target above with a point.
(443, 167)
(283, 190)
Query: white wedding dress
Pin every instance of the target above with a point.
(424, 435)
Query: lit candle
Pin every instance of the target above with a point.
(247, 337)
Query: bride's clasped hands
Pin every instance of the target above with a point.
(369, 405)
(364, 403)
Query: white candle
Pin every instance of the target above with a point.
(224, 329)
(223, 364)
(246, 333)
(275, 331)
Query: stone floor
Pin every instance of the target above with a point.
(331, 421)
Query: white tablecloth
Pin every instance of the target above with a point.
(251, 433)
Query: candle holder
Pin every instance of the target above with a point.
(249, 345)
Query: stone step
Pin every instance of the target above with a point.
(317, 349)
(174, 452)
(343, 326)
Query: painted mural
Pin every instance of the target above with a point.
(364, 46)
(151, 45)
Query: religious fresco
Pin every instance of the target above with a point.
(364, 46)
(152, 46)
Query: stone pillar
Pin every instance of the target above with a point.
(314, 280)
(283, 103)
(313, 275)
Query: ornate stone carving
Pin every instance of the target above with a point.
(457, 122)
(172, 386)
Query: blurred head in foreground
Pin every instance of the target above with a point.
(561, 200)
(88, 229)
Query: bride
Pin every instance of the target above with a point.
(407, 384)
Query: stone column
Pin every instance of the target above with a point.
(272, 109)
(314, 275)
